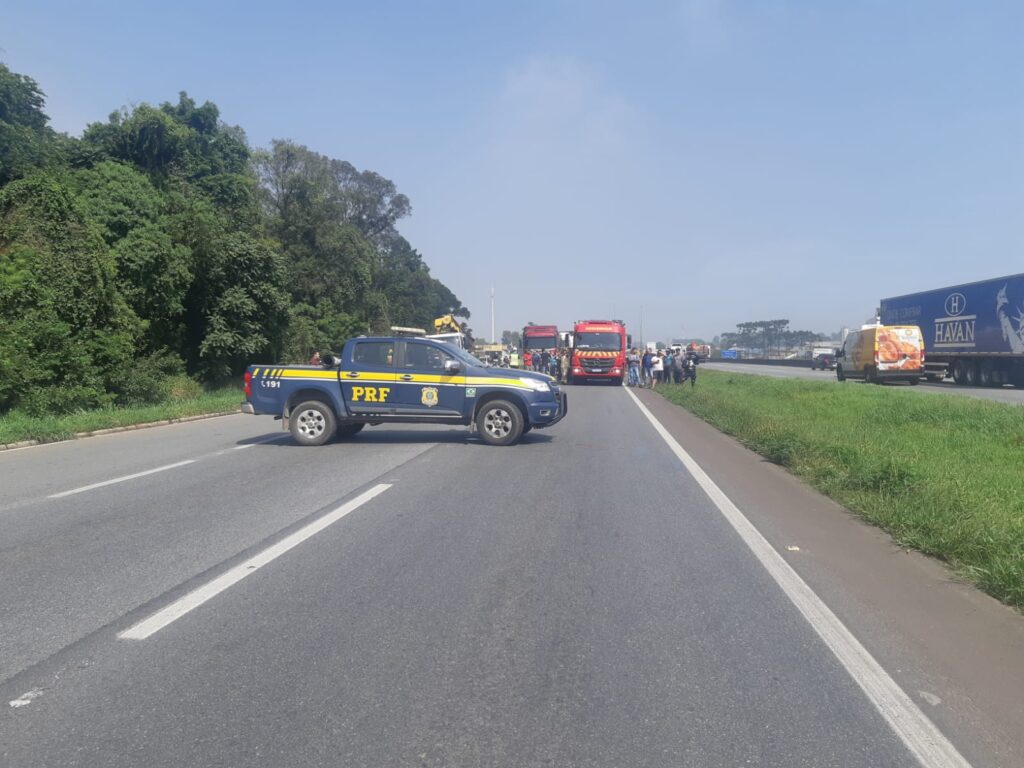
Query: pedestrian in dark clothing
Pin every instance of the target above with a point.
(648, 374)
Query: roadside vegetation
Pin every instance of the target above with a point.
(159, 246)
(942, 474)
(181, 397)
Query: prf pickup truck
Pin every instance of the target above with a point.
(404, 380)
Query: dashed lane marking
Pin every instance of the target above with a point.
(122, 479)
(211, 589)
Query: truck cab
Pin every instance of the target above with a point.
(393, 379)
(599, 351)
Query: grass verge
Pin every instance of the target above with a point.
(16, 426)
(942, 474)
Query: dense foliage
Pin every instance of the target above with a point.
(159, 245)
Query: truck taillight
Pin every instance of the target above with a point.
(248, 385)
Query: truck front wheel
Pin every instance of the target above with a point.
(312, 423)
(499, 422)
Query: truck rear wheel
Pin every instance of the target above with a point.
(959, 371)
(312, 423)
(840, 376)
(499, 422)
(970, 373)
(986, 374)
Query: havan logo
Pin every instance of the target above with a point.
(955, 303)
(956, 330)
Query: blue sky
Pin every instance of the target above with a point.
(700, 162)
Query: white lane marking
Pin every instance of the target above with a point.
(26, 698)
(925, 742)
(211, 589)
(122, 479)
(157, 469)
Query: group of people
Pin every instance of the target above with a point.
(553, 363)
(665, 366)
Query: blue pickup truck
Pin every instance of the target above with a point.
(397, 379)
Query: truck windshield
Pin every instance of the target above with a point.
(540, 342)
(607, 341)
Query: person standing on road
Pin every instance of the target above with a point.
(667, 374)
(633, 367)
(658, 367)
(677, 367)
(646, 370)
(692, 359)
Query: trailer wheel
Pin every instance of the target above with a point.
(959, 371)
(970, 373)
(312, 423)
(986, 374)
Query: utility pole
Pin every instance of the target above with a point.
(492, 314)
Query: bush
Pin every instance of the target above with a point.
(51, 401)
(143, 381)
(181, 388)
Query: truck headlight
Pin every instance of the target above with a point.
(537, 386)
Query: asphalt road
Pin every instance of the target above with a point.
(575, 600)
(1005, 394)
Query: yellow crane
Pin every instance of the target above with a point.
(446, 324)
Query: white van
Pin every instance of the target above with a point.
(882, 353)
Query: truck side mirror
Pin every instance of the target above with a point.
(452, 366)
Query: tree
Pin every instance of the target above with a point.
(159, 238)
(512, 339)
(26, 142)
(153, 271)
(343, 255)
(68, 336)
(239, 310)
(767, 335)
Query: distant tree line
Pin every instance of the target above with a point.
(770, 336)
(160, 245)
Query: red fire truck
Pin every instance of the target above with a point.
(537, 338)
(599, 351)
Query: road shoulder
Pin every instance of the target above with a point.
(952, 648)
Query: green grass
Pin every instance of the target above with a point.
(942, 474)
(16, 426)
